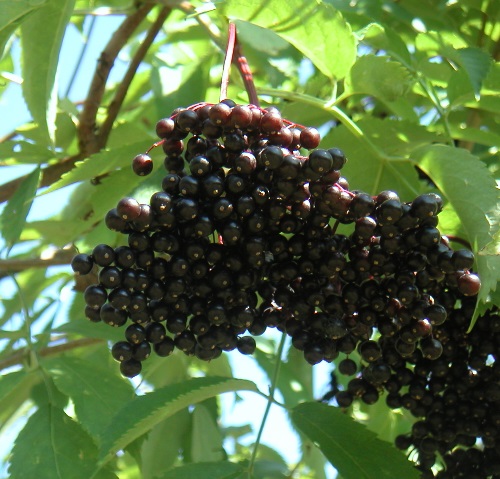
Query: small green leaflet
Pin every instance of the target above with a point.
(14, 215)
(205, 470)
(142, 413)
(13, 14)
(380, 77)
(91, 389)
(101, 163)
(352, 449)
(206, 439)
(40, 56)
(331, 50)
(476, 63)
(53, 446)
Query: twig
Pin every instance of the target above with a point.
(61, 257)
(121, 92)
(50, 174)
(270, 400)
(19, 356)
(228, 60)
(246, 74)
(80, 57)
(87, 136)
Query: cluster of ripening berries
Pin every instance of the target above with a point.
(242, 237)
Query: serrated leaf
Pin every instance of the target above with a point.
(380, 77)
(206, 442)
(13, 14)
(142, 413)
(101, 163)
(206, 470)
(96, 392)
(352, 449)
(52, 446)
(476, 63)
(333, 54)
(14, 215)
(467, 184)
(40, 56)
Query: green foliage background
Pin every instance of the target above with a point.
(409, 89)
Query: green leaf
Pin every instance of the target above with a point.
(380, 77)
(102, 163)
(332, 53)
(467, 184)
(352, 449)
(142, 413)
(14, 215)
(52, 446)
(372, 173)
(206, 442)
(40, 56)
(15, 389)
(476, 63)
(160, 450)
(472, 191)
(13, 14)
(206, 470)
(92, 389)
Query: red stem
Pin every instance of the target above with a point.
(228, 59)
(246, 75)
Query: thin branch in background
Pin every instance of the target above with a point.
(87, 125)
(20, 355)
(80, 57)
(270, 400)
(228, 60)
(121, 92)
(87, 136)
(59, 258)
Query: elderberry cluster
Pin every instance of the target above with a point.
(243, 236)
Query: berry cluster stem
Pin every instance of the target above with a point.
(270, 400)
(228, 59)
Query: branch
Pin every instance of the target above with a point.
(88, 140)
(60, 257)
(86, 129)
(20, 355)
(50, 174)
(124, 85)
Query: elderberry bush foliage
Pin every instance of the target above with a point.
(242, 237)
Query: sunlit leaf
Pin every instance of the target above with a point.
(142, 413)
(91, 389)
(332, 54)
(13, 14)
(355, 451)
(380, 77)
(40, 56)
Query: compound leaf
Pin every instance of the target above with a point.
(142, 413)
